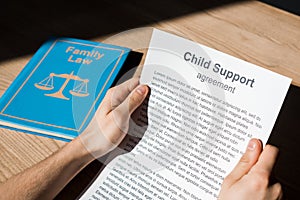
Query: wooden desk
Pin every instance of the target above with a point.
(250, 30)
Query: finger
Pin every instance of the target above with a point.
(121, 114)
(134, 100)
(275, 192)
(247, 161)
(266, 160)
(116, 95)
(121, 92)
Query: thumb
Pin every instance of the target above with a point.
(137, 97)
(246, 162)
(122, 112)
(134, 99)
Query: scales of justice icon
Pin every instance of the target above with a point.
(79, 89)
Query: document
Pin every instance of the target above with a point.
(203, 109)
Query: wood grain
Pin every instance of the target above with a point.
(250, 30)
(19, 151)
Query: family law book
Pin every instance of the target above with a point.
(59, 90)
(203, 109)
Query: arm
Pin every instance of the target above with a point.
(108, 128)
(250, 178)
(47, 178)
(106, 131)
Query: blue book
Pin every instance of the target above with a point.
(59, 90)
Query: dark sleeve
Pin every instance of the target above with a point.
(286, 136)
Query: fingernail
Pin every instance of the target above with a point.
(141, 89)
(251, 145)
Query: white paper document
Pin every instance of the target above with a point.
(203, 109)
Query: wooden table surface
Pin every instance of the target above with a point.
(249, 30)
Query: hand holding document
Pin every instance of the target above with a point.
(203, 109)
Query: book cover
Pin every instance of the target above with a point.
(59, 90)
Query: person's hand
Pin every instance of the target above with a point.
(106, 130)
(110, 124)
(250, 178)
